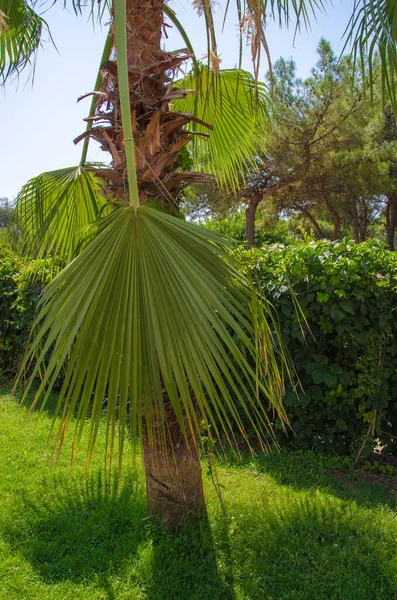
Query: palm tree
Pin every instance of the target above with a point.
(148, 310)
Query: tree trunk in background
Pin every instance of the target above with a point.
(364, 223)
(387, 218)
(331, 210)
(173, 472)
(336, 231)
(356, 228)
(392, 220)
(250, 214)
(319, 232)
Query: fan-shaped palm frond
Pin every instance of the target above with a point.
(55, 209)
(21, 30)
(236, 108)
(372, 31)
(150, 307)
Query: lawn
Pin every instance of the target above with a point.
(299, 527)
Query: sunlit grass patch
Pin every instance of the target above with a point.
(292, 531)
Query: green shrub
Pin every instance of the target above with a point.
(345, 353)
(21, 283)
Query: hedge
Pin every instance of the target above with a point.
(343, 346)
(21, 284)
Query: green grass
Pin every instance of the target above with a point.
(294, 532)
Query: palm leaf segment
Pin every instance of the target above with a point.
(21, 31)
(372, 29)
(236, 107)
(55, 209)
(150, 307)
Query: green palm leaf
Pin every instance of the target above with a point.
(287, 11)
(372, 31)
(237, 109)
(151, 307)
(21, 30)
(55, 209)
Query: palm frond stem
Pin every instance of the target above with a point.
(124, 91)
(105, 56)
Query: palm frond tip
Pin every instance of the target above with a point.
(372, 33)
(21, 30)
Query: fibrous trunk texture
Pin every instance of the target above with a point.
(173, 471)
(159, 133)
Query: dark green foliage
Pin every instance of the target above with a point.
(345, 355)
(21, 284)
(345, 352)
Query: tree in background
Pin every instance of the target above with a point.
(6, 219)
(304, 118)
(6, 212)
(329, 158)
(388, 138)
(350, 179)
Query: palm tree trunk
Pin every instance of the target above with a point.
(172, 463)
(159, 134)
(173, 471)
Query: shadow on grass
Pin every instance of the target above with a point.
(291, 542)
(76, 531)
(284, 545)
(192, 564)
(297, 469)
(100, 534)
(309, 470)
(310, 546)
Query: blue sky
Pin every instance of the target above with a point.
(39, 122)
